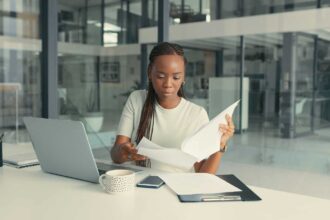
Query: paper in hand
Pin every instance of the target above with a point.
(206, 140)
(173, 157)
(196, 183)
(194, 148)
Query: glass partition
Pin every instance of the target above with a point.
(322, 84)
(94, 88)
(189, 11)
(304, 83)
(20, 93)
(213, 74)
(230, 9)
(263, 55)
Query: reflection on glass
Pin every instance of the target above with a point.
(304, 83)
(96, 87)
(19, 18)
(231, 9)
(115, 22)
(20, 67)
(19, 90)
(322, 84)
(262, 68)
(325, 3)
(80, 22)
(213, 73)
(199, 67)
(189, 11)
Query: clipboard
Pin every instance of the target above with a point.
(245, 195)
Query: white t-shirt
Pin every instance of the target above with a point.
(171, 126)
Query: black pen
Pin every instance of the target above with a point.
(1, 161)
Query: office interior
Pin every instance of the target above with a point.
(280, 72)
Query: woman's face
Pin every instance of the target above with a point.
(167, 75)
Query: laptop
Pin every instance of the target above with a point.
(62, 148)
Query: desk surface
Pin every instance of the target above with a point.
(31, 194)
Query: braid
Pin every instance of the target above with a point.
(147, 115)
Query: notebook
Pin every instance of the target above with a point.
(21, 160)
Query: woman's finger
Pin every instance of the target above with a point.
(128, 148)
(138, 157)
(228, 131)
(230, 122)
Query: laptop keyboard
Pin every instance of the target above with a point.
(103, 167)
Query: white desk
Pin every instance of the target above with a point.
(31, 194)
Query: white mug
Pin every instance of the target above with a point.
(118, 181)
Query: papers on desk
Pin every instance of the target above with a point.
(194, 148)
(196, 183)
(21, 160)
(19, 154)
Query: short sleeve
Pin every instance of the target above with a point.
(203, 118)
(126, 123)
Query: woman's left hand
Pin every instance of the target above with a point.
(227, 131)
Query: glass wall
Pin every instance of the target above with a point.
(304, 83)
(325, 3)
(20, 93)
(285, 94)
(263, 54)
(231, 9)
(213, 74)
(104, 22)
(322, 83)
(98, 65)
(80, 22)
(187, 11)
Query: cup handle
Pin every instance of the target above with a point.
(101, 178)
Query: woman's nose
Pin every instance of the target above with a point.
(167, 82)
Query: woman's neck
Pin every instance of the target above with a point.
(169, 103)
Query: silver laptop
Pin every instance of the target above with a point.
(62, 148)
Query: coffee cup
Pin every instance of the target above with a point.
(118, 181)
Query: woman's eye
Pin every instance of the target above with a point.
(176, 77)
(161, 76)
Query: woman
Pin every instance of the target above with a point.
(163, 115)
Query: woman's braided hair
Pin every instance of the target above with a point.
(146, 124)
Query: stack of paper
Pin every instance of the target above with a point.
(21, 160)
(194, 148)
(196, 183)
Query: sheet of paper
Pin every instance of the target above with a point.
(206, 140)
(173, 157)
(196, 183)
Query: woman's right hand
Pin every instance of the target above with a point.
(128, 152)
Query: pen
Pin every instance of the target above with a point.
(221, 198)
(1, 161)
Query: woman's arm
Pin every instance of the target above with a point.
(211, 164)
